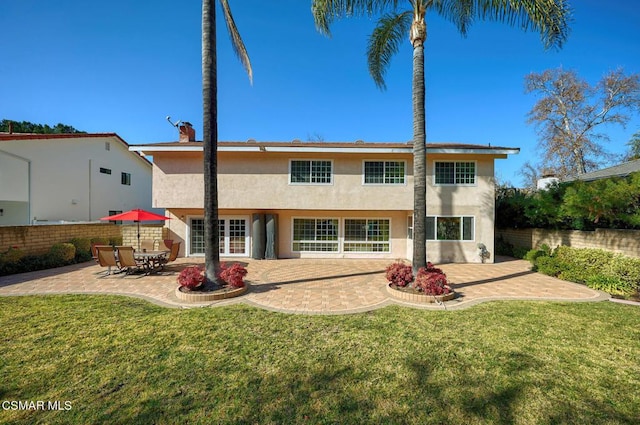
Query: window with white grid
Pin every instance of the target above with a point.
(461, 173)
(384, 172)
(450, 228)
(366, 235)
(310, 172)
(315, 234)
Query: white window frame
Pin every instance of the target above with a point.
(461, 217)
(310, 160)
(455, 164)
(226, 218)
(337, 241)
(384, 161)
(366, 242)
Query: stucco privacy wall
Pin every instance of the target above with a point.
(626, 242)
(38, 239)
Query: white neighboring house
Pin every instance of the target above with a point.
(53, 178)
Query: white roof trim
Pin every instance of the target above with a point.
(488, 151)
(316, 149)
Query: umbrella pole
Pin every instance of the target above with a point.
(138, 235)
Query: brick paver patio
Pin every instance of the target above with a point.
(309, 286)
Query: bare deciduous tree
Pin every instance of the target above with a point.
(570, 113)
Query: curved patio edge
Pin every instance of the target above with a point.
(313, 287)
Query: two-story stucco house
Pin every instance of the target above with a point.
(329, 200)
(69, 177)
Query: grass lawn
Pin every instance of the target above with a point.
(119, 360)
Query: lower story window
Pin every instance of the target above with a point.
(315, 234)
(450, 228)
(366, 235)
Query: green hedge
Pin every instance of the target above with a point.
(77, 250)
(598, 269)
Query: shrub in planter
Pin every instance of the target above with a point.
(399, 274)
(191, 277)
(62, 253)
(432, 281)
(233, 275)
(115, 241)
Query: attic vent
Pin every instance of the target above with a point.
(359, 142)
(107, 146)
(251, 141)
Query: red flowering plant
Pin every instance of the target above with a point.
(399, 274)
(233, 275)
(432, 281)
(191, 277)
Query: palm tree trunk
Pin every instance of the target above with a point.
(210, 141)
(419, 159)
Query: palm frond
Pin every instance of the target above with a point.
(385, 41)
(325, 11)
(236, 41)
(550, 18)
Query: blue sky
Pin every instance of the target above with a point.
(123, 66)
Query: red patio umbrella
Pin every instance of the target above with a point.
(137, 215)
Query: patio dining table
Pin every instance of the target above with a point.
(152, 259)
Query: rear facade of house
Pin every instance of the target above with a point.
(329, 200)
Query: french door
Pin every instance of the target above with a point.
(234, 236)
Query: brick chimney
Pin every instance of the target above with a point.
(187, 133)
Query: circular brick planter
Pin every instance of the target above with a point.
(222, 294)
(419, 297)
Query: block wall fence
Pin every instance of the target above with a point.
(626, 242)
(38, 239)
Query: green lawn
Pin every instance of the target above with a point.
(119, 360)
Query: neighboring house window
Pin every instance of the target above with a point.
(450, 228)
(410, 227)
(105, 170)
(384, 172)
(315, 234)
(366, 235)
(114, 212)
(310, 172)
(455, 173)
(126, 179)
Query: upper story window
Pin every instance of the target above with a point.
(384, 172)
(310, 171)
(463, 173)
(125, 178)
(105, 170)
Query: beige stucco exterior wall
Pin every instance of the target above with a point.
(475, 200)
(257, 182)
(65, 181)
(261, 181)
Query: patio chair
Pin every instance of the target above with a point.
(147, 245)
(94, 252)
(128, 260)
(107, 257)
(165, 245)
(175, 249)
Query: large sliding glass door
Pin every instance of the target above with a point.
(234, 236)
